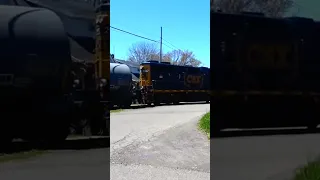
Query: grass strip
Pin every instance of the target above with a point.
(20, 155)
(311, 171)
(116, 110)
(204, 124)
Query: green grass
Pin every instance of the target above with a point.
(309, 172)
(20, 155)
(116, 110)
(204, 124)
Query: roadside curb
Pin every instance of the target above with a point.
(87, 142)
(72, 143)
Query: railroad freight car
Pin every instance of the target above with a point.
(120, 85)
(265, 71)
(38, 79)
(167, 83)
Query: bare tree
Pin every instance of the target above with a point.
(166, 58)
(232, 6)
(179, 57)
(273, 8)
(143, 51)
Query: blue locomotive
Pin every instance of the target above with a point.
(163, 82)
(266, 71)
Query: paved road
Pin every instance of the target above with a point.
(152, 143)
(62, 165)
(271, 157)
(159, 143)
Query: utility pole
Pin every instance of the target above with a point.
(161, 45)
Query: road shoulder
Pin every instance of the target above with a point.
(146, 172)
(180, 147)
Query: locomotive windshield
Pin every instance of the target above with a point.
(143, 72)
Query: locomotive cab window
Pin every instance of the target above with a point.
(144, 72)
(179, 76)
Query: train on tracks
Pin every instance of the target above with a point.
(265, 71)
(120, 84)
(162, 82)
(43, 90)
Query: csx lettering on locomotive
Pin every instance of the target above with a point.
(192, 79)
(269, 55)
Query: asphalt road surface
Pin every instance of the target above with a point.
(61, 164)
(263, 155)
(163, 143)
(159, 143)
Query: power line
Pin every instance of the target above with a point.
(168, 46)
(171, 44)
(175, 47)
(134, 34)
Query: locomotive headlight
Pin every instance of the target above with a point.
(103, 82)
(76, 82)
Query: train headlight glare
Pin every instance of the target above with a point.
(76, 81)
(103, 82)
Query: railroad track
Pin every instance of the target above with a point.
(140, 106)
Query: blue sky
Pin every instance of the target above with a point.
(185, 25)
